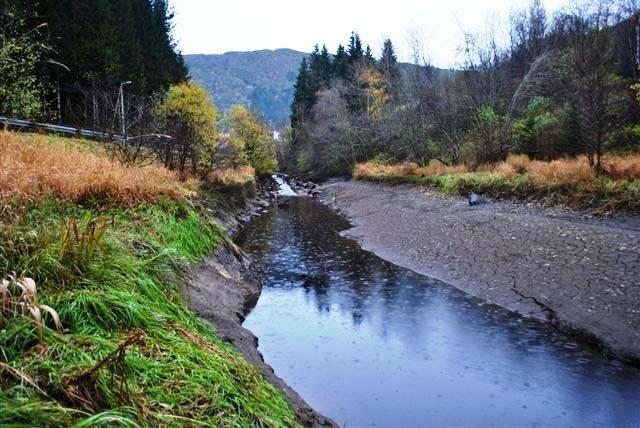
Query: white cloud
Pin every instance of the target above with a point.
(205, 26)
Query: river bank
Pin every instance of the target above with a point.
(97, 252)
(579, 273)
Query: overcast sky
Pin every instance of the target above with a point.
(210, 26)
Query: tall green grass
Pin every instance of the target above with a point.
(178, 373)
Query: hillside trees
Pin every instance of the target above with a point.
(190, 116)
(255, 138)
(337, 107)
(557, 87)
(91, 48)
(388, 66)
(600, 95)
(21, 54)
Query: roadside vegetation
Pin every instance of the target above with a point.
(568, 181)
(551, 111)
(94, 329)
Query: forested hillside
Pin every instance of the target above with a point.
(262, 79)
(72, 56)
(561, 86)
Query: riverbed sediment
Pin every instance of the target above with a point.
(580, 273)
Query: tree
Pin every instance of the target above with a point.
(103, 43)
(256, 138)
(600, 95)
(21, 53)
(374, 89)
(388, 66)
(485, 136)
(341, 68)
(528, 31)
(535, 132)
(368, 56)
(304, 94)
(320, 68)
(190, 117)
(355, 48)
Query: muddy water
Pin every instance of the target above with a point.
(371, 344)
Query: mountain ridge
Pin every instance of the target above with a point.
(262, 79)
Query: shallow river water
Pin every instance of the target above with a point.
(368, 343)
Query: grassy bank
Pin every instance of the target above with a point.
(107, 259)
(568, 182)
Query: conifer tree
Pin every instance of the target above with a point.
(355, 48)
(326, 65)
(103, 43)
(320, 68)
(388, 65)
(341, 67)
(368, 56)
(303, 96)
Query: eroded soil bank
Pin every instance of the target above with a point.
(580, 273)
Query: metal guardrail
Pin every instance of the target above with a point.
(19, 123)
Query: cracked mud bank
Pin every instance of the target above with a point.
(580, 273)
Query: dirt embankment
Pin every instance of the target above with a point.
(581, 273)
(223, 288)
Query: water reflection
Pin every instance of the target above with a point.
(372, 344)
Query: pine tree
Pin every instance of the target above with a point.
(388, 65)
(368, 56)
(21, 52)
(326, 65)
(341, 67)
(303, 96)
(103, 43)
(320, 68)
(355, 48)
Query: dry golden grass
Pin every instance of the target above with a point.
(623, 167)
(504, 169)
(518, 163)
(557, 172)
(231, 176)
(561, 171)
(407, 169)
(33, 166)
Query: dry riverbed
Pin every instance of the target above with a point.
(580, 273)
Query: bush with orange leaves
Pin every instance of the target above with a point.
(34, 166)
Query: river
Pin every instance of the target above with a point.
(368, 343)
